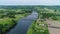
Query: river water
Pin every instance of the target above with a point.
(23, 24)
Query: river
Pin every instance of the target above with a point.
(23, 24)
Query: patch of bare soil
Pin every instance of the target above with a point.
(53, 26)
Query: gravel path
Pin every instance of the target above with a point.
(54, 27)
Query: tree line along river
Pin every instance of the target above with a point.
(23, 24)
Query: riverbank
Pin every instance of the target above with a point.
(23, 24)
(38, 27)
(8, 23)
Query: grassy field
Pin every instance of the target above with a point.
(38, 27)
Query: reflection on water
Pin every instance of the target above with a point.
(23, 24)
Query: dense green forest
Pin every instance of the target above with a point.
(9, 17)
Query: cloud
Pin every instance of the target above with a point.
(29, 2)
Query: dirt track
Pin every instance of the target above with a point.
(53, 26)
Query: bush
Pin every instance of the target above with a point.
(54, 18)
(11, 16)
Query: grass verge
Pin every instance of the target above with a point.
(38, 27)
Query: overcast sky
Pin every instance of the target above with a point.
(29, 2)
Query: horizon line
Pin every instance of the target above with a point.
(28, 5)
